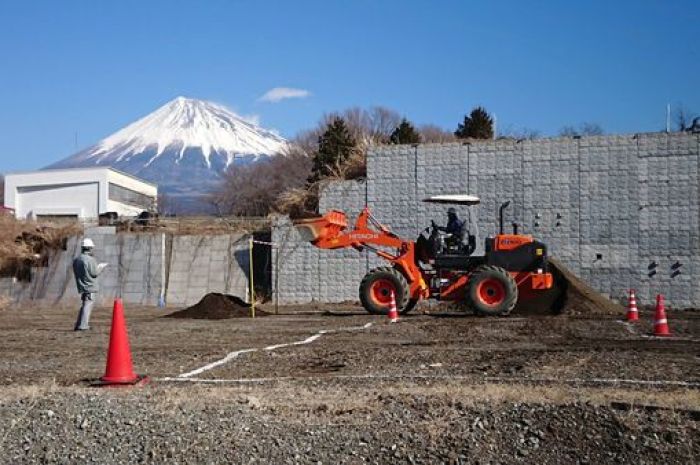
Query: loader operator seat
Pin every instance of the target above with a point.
(460, 242)
(466, 241)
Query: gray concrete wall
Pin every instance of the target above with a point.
(203, 264)
(142, 268)
(622, 211)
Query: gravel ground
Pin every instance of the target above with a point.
(223, 425)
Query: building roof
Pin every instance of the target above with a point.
(91, 168)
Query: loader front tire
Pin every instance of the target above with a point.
(492, 291)
(376, 288)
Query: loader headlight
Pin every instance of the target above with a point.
(539, 252)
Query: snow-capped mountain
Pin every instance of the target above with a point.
(183, 146)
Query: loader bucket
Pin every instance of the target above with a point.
(327, 226)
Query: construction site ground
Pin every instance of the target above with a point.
(331, 384)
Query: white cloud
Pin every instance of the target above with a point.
(277, 94)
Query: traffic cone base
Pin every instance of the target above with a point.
(139, 380)
(119, 370)
(632, 311)
(660, 321)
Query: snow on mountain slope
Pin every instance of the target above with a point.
(183, 146)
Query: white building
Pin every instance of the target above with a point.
(83, 193)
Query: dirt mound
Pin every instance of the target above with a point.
(216, 306)
(570, 295)
(579, 298)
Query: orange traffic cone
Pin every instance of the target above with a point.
(393, 311)
(632, 312)
(660, 321)
(119, 369)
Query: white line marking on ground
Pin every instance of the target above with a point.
(500, 379)
(232, 355)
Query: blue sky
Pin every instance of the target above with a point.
(92, 67)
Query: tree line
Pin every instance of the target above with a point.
(336, 149)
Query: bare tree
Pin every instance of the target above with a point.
(383, 122)
(167, 205)
(591, 129)
(367, 127)
(252, 190)
(584, 129)
(523, 133)
(683, 117)
(430, 133)
(568, 131)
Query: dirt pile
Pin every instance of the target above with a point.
(578, 297)
(216, 306)
(570, 295)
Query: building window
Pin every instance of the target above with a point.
(130, 197)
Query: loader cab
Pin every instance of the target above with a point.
(511, 251)
(435, 243)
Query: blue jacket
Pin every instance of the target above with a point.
(454, 226)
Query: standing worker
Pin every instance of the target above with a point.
(86, 270)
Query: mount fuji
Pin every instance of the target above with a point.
(184, 147)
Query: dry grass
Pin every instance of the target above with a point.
(201, 225)
(302, 202)
(26, 240)
(293, 401)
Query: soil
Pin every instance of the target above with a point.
(580, 298)
(581, 387)
(216, 306)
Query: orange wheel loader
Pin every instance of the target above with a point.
(437, 266)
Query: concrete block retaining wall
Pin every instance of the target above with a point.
(622, 211)
(142, 268)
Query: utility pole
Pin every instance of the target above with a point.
(668, 117)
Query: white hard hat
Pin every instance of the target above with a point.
(87, 243)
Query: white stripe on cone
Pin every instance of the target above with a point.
(393, 310)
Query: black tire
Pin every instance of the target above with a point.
(491, 291)
(375, 287)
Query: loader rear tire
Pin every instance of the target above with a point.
(376, 288)
(492, 291)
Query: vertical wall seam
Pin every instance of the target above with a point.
(522, 182)
(468, 169)
(578, 157)
(415, 183)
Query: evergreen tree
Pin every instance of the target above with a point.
(335, 145)
(478, 125)
(405, 133)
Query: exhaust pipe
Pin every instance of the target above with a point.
(500, 216)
